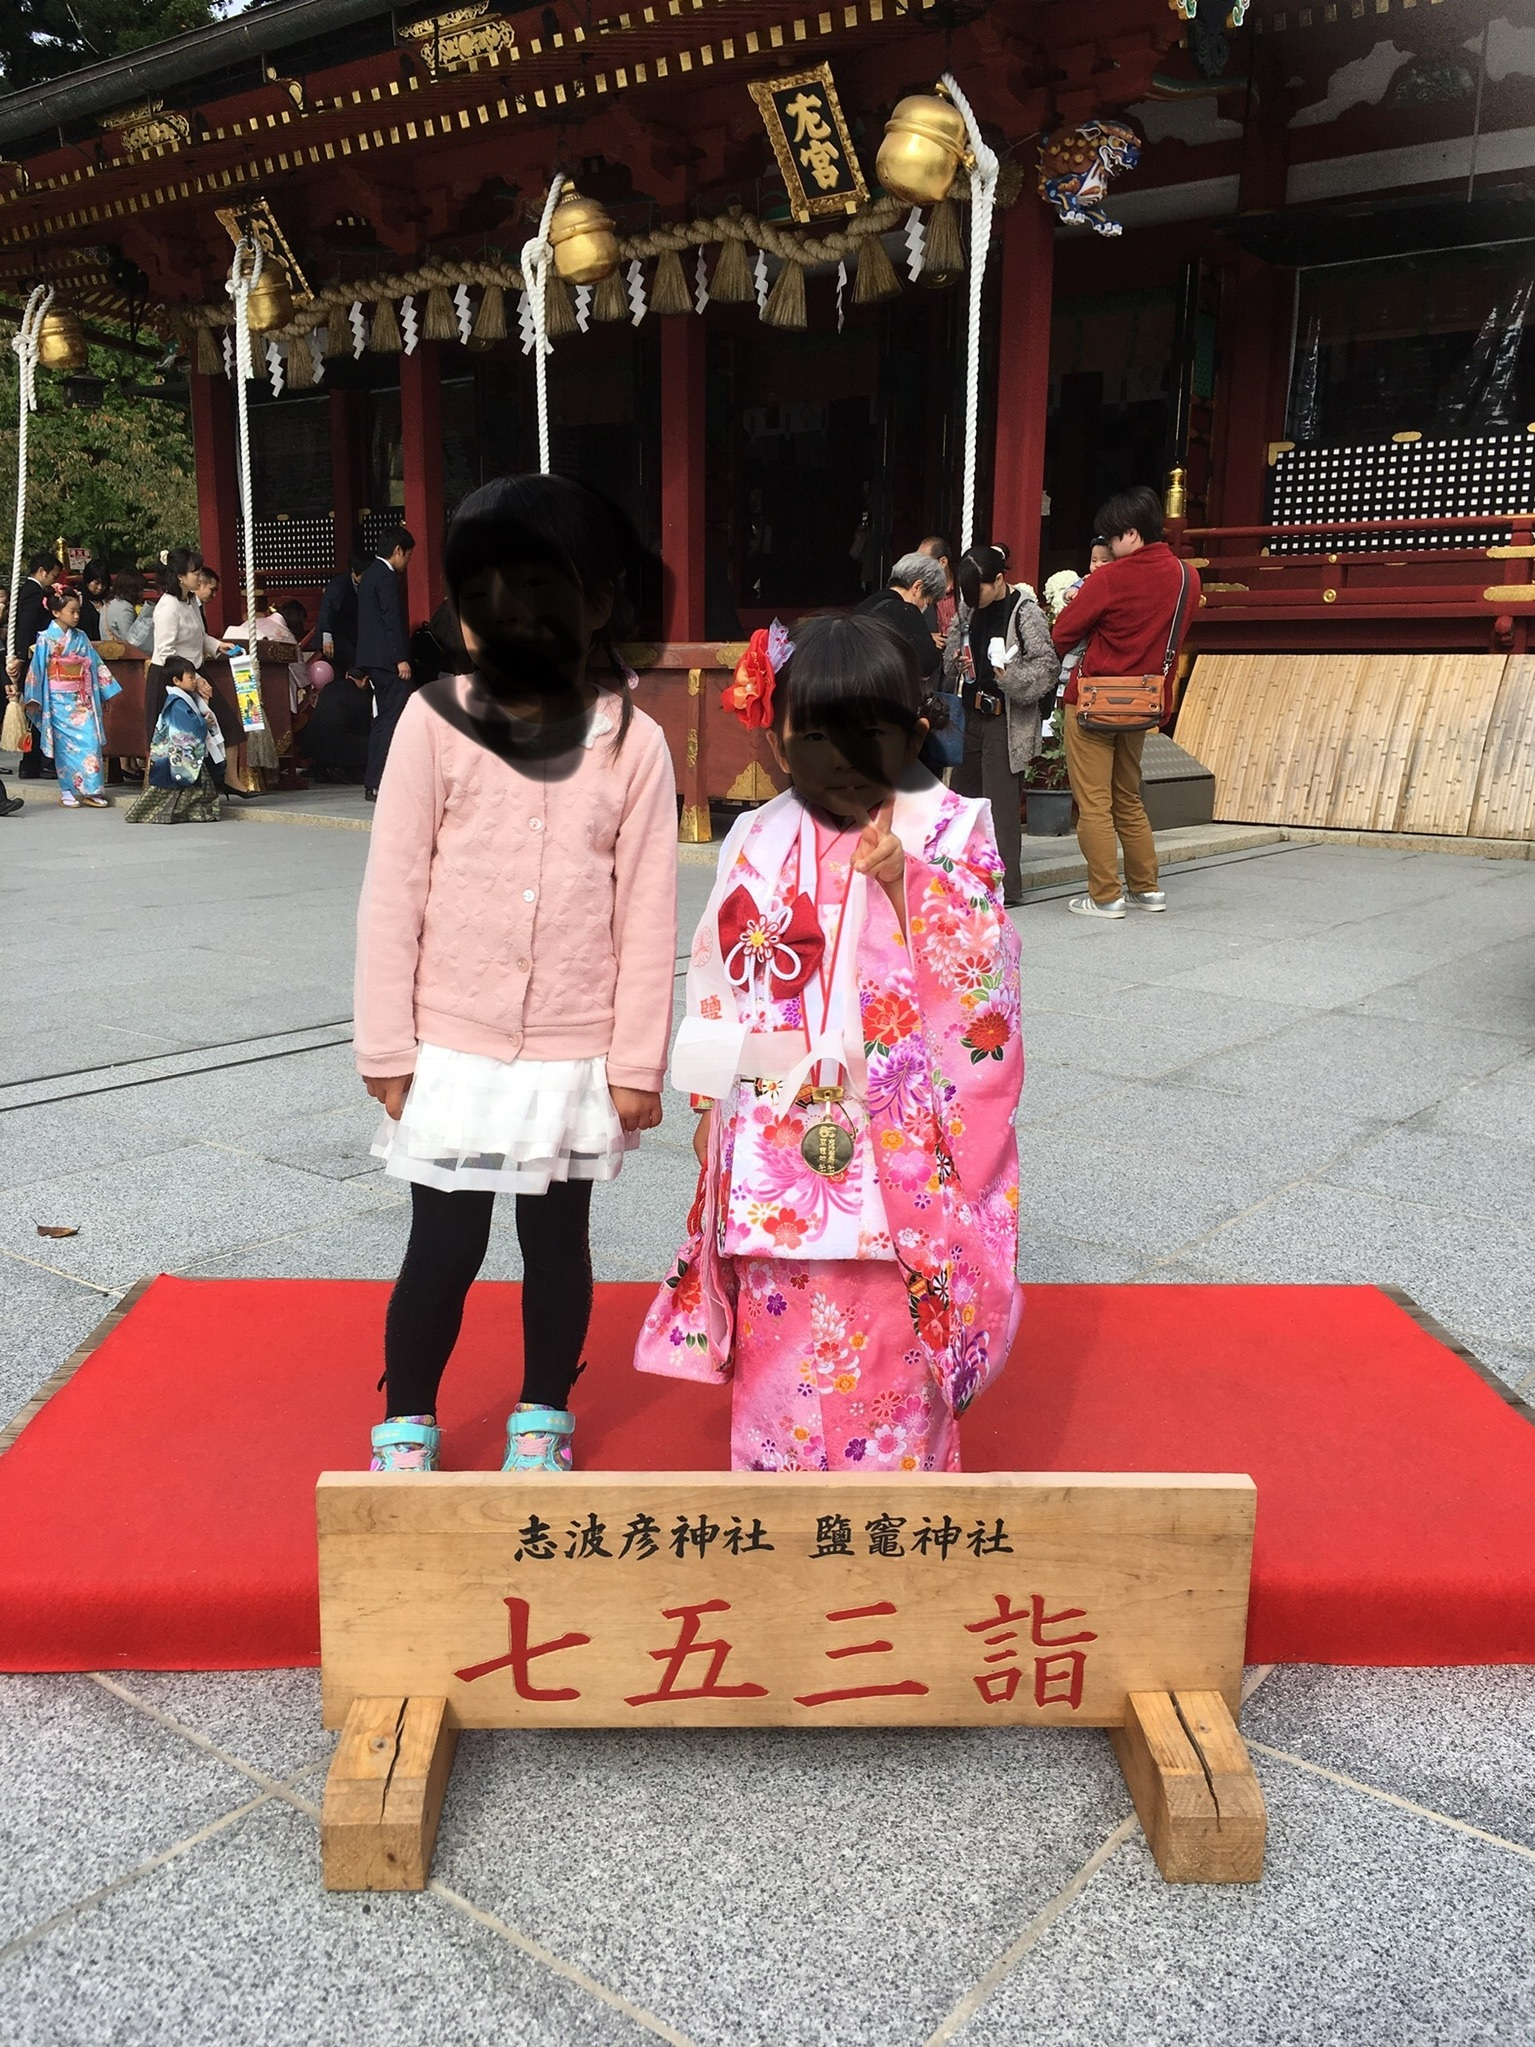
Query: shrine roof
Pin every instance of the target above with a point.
(194, 65)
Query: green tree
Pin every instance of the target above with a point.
(117, 479)
(42, 39)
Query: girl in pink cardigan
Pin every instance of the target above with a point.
(516, 942)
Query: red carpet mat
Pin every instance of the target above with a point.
(159, 1512)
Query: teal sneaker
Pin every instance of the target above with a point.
(406, 1442)
(538, 1438)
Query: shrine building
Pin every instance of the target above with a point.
(1277, 260)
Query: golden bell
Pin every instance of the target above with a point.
(925, 143)
(61, 342)
(271, 301)
(582, 237)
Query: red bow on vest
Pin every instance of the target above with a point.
(771, 955)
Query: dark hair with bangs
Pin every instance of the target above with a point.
(980, 565)
(556, 520)
(840, 663)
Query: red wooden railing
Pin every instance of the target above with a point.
(1467, 596)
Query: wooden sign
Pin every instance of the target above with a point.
(612, 1599)
(810, 139)
(608, 1599)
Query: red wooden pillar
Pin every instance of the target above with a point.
(421, 452)
(1253, 385)
(682, 476)
(345, 451)
(218, 522)
(1258, 309)
(1023, 381)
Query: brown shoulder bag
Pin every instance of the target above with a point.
(1131, 703)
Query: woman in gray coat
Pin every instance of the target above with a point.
(1000, 658)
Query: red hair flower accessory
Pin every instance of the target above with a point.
(749, 694)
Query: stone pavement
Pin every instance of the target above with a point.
(1319, 1066)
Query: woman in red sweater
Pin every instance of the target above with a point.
(1125, 611)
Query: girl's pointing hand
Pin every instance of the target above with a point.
(879, 853)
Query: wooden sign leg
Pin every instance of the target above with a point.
(384, 1793)
(1198, 1801)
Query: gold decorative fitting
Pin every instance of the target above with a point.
(1510, 554)
(583, 238)
(443, 24)
(61, 342)
(816, 158)
(1329, 596)
(1278, 448)
(752, 785)
(294, 88)
(147, 126)
(1509, 593)
(1411, 435)
(460, 40)
(925, 143)
(1175, 500)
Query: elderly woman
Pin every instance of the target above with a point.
(1001, 659)
(916, 581)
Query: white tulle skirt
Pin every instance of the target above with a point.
(504, 1126)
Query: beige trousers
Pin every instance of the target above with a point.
(1105, 771)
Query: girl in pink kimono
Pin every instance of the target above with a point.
(852, 1045)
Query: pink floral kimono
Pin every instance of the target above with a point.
(858, 1310)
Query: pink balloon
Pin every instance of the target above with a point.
(320, 672)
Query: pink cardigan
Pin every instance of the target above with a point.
(518, 918)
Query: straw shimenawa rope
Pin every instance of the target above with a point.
(733, 231)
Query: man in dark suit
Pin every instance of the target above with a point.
(383, 646)
(336, 627)
(27, 621)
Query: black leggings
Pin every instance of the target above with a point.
(449, 1234)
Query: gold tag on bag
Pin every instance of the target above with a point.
(827, 1148)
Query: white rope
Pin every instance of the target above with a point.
(239, 287)
(24, 341)
(536, 258)
(983, 194)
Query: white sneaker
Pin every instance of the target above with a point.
(1084, 906)
(1152, 899)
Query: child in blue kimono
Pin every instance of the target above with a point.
(186, 753)
(65, 689)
